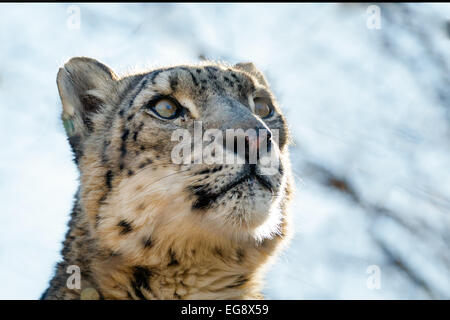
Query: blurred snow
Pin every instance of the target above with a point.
(369, 110)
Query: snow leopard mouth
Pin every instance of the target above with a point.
(206, 198)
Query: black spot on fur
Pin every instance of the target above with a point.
(173, 259)
(238, 282)
(148, 243)
(173, 83)
(218, 252)
(90, 105)
(123, 148)
(135, 134)
(130, 173)
(141, 276)
(236, 78)
(228, 81)
(211, 70)
(125, 227)
(194, 79)
(109, 177)
(130, 117)
(125, 134)
(240, 254)
(139, 128)
(75, 143)
(204, 200)
(203, 171)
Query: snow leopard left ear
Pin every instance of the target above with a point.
(85, 86)
(250, 68)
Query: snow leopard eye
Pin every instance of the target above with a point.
(165, 108)
(262, 108)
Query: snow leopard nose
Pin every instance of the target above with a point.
(245, 134)
(259, 143)
(251, 145)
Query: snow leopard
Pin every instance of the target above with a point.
(144, 226)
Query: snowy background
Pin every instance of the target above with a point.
(369, 110)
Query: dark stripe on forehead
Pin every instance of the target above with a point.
(211, 72)
(155, 73)
(193, 77)
(123, 146)
(141, 87)
(173, 82)
(132, 82)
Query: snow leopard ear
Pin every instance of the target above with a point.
(84, 85)
(250, 68)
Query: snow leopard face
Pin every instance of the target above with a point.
(136, 141)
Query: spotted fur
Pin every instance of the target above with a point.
(143, 227)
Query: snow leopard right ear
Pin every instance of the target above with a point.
(84, 85)
(250, 68)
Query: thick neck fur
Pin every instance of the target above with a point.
(203, 268)
(137, 238)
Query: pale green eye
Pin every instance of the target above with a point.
(262, 108)
(166, 109)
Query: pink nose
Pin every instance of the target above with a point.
(254, 142)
